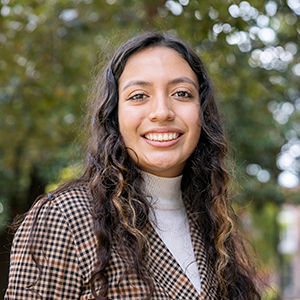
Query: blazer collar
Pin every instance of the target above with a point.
(168, 274)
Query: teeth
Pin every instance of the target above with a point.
(161, 137)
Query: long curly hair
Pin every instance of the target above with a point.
(120, 207)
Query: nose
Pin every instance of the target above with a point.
(161, 109)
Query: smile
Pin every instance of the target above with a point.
(161, 137)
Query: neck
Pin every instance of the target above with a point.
(165, 189)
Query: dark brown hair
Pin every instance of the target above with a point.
(120, 208)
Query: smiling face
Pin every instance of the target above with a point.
(159, 110)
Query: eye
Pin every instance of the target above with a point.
(137, 97)
(183, 94)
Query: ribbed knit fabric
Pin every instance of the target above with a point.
(170, 221)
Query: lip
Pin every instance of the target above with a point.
(163, 144)
(162, 130)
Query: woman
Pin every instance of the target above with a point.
(149, 218)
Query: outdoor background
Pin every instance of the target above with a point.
(48, 53)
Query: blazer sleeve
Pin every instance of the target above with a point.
(51, 270)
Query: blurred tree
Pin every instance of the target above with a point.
(48, 50)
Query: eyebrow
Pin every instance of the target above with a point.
(184, 79)
(136, 82)
(174, 81)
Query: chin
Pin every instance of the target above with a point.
(171, 171)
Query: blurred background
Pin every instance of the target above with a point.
(48, 53)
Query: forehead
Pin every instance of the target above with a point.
(157, 62)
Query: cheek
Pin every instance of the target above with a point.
(122, 125)
(195, 136)
(193, 121)
(129, 121)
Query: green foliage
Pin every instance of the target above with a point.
(264, 232)
(65, 174)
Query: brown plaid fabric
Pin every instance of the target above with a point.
(66, 252)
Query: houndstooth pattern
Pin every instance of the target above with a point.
(66, 251)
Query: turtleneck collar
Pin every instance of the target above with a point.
(164, 192)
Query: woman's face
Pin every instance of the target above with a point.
(159, 110)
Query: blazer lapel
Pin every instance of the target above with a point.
(209, 283)
(167, 273)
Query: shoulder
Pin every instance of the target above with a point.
(54, 249)
(70, 208)
(72, 203)
(74, 206)
(65, 219)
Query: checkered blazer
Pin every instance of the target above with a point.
(67, 255)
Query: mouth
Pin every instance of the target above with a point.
(162, 137)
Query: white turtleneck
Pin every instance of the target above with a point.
(170, 221)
